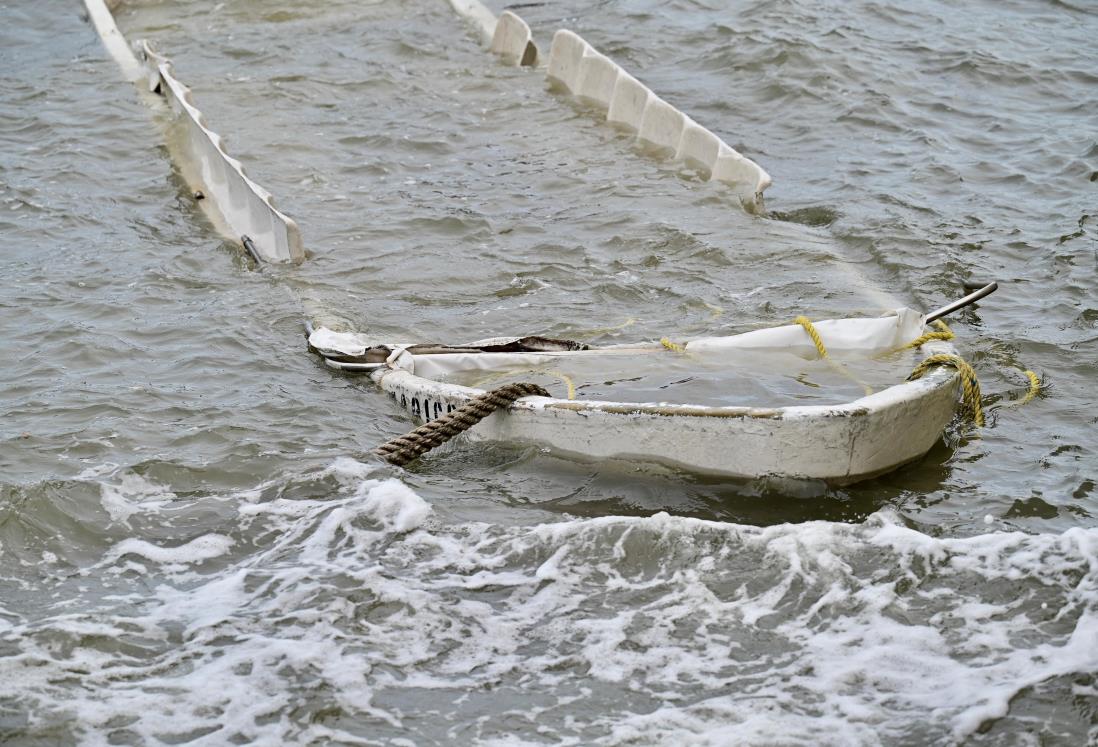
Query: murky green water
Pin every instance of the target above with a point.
(197, 547)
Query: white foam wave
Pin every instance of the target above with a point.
(196, 551)
(357, 617)
(131, 494)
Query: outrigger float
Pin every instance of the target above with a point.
(839, 443)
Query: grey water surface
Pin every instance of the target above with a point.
(197, 547)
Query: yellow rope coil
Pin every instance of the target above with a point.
(1032, 390)
(672, 346)
(970, 386)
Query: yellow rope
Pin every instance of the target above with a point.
(1032, 390)
(969, 383)
(810, 328)
(970, 386)
(1034, 387)
(567, 382)
(943, 333)
(674, 347)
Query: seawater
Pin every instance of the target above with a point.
(737, 378)
(196, 546)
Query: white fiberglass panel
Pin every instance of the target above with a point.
(512, 41)
(593, 77)
(245, 206)
(566, 59)
(597, 78)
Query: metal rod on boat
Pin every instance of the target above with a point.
(249, 245)
(971, 298)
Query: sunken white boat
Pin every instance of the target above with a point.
(839, 443)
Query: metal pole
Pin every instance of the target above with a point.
(249, 246)
(971, 298)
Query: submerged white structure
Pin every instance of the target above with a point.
(594, 78)
(513, 41)
(238, 207)
(507, 36)
(246, 207)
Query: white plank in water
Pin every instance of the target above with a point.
(479, 16)
(513, 42)
(597, 77)
(237, 206)
(592, 76)
(565, 59)
(246, 207)
(113, 40)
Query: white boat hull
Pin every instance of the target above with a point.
(839, 444)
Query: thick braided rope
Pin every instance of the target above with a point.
(414, 444)
(970, 386)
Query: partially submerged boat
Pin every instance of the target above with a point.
(839, 442)
(836, 441)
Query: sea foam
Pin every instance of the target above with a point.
(325, 617)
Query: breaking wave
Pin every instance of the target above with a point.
(337, 606)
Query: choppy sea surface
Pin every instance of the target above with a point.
(197, 547)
